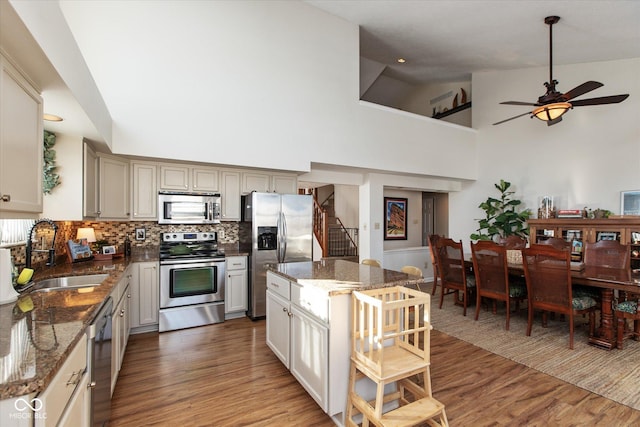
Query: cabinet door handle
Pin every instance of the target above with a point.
(5, 197)
(122, 313)
(77, 375)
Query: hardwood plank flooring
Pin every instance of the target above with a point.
(225, 375)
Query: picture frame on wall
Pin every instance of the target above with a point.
(630, 202)
(141, 234)
(395, 218)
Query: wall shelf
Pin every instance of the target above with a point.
(452, 111)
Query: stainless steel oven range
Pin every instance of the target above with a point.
(192, 272)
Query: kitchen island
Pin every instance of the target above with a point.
(309, 322)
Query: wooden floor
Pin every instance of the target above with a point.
(225, 375)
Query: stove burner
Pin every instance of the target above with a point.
(187, 245)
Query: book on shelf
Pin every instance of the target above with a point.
(569, 213)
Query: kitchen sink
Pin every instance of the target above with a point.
(69, 282)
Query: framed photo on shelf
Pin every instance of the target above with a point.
(395, 218)
(630, 202)
(108, 250)
(605, 235)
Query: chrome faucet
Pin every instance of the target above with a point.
(51, 250)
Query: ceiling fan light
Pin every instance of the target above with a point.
(551, 112)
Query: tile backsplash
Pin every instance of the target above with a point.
(115, 232)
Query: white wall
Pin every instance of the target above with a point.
(259, 84)
(346, 205)
(65, 200)
(585, 160)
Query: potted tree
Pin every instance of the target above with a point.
(502, 218)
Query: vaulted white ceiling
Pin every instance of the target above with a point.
(447, 41)
(441, 40)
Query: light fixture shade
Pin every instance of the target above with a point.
(86, 233)
(551, 112)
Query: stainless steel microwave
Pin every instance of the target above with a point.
(188, 208)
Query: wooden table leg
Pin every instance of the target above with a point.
(604, 335)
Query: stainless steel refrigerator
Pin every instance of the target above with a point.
(281, 227)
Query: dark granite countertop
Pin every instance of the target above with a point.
(40, 329)
(342, 277)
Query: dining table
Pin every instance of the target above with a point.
(607, 280)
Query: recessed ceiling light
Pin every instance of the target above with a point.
(401, 60)
(52, 118)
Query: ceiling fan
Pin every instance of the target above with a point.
(553, 104)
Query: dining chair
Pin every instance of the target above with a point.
(492, 277)
(556, 242)
(606, 253)
(433, 239)
(548, 274)
(512, 242)
(453, 273)
(623, 311)
(372, 262)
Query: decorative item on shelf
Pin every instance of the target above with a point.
(501, 218)
(597, 213)
(464, 96)
(455, 101)
(547, 209)
(570, 213)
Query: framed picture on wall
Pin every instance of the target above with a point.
(630, 202)
(395, 218)
(141, 234)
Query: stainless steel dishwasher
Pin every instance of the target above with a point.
(100, 334)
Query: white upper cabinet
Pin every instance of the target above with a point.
(205, 179)
(230, 195)
(255, 181)
(265, 182)
(21, 145)
(284, 184)
(187, 178)
(91, 203)
(144, 189)
(113, 187)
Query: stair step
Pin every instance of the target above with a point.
(415, 412)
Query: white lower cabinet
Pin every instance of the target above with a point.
(120, 324)
(67, 396)
(144, 297)
(235, 292)
(311, 339)
(278, 326)
(309, 361)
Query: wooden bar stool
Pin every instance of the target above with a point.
(390, 347)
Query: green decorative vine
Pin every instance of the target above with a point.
(50, 179)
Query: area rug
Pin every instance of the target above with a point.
(612, 374)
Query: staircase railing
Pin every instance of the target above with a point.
(342, 240)
(321, 226)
